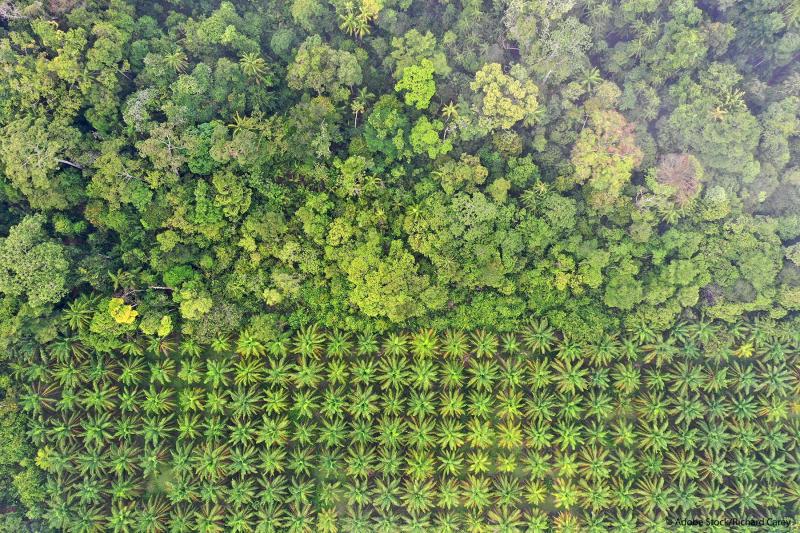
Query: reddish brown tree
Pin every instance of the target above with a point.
(682, 172)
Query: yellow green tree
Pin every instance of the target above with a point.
(504, 100)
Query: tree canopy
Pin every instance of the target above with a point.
(192, 175)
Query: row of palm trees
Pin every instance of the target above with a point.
(156, 514)
(470, 503)
(763, 337)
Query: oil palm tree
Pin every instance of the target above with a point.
(248, 372)
(423, 374)
(90, 491)
(280, 344)
(123, 459)
(100, 368)
(102, 397)
(220, 344)
(451, 403)
(450, 111)
(160, 345)
(660, 352)
(162, 371)
(211, 462)
(363, 371)
(97, 429)
(67, 349)
(247, 345)
(366, 344)
(308, 341)
(652, 406)
(131, 347)
(191, 370)
(420, 434)
(604, 350)
(452, 374)
(476, 492)
(484, 344)
(715, 497)
(152, 459)
(424, 343)
(538, 336)
(239, 519)
(338, 343)
(307, 373)
(68, 401)
(156, 429)
(483, 375)
(63, 431)
(180, 518)
(208, 519)
(538, 374)
(38, 398)
(131, 371)
(590, 78)
(304, 404)
(176, 60)
(393, 372)
(92, 463)
(272, 461)
(395, 345)
(158, 402)
(512, 372)
(569, 377)
(241, 431)
(68, 374)
(217, 371)
(566, 494)
(122, 518)
(333, 401)
(656, 436)
(363, 403)
(511, 344)
(270, 519)
(455, 344)
(189, 347)
(245, 401)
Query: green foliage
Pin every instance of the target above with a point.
(202, 186)
(417, 80)
(504, 100)
(604, 157)
(300, 181)
(623, 291)
(153, 325)
(413, 48)
(32, 265)
(465, 173)
(425, 139)
(706, 121)
(386, 128)
(23, 495)
(390, 286)
(324, 69)
(194, 301)
(34, 154)
(121, 312)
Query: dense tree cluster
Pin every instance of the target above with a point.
(380, 164)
